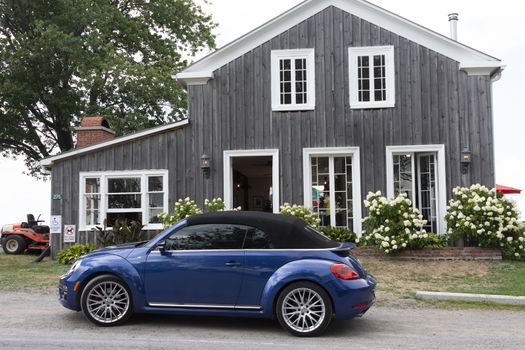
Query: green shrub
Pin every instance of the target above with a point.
(393, 225)
(300, 212)
(121, 232)
(487, 216)
(69, 255)
(340, 234)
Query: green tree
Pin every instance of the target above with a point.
(63, 59)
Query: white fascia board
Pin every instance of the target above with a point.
(465, 55)
(48, 162)
(194, 78)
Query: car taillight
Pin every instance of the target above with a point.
(344, 272)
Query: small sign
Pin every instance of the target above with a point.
(56, 196)
(69, 233)
(56, 224)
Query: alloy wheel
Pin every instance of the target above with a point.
(303, 310)
(107, 302)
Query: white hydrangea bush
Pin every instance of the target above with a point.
(215, 204)
(393, 225)
(301, 212)
(487, 216)
(183, 208)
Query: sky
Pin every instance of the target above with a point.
(494, 28)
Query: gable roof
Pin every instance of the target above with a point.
(47, 163)
(471, 60)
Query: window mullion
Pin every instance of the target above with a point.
(414, 179)
(331, 175)
(144, 203)
(292, 80)
(371, 74)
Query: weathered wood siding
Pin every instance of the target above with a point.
(436, 103)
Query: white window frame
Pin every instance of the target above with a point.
(353, 152)
(228, 174)
(441, 182)
(103, 210)
(353, 53)
(309, 55)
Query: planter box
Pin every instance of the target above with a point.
(447, 253)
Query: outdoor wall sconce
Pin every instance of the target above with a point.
(466, 158)
(205, 165)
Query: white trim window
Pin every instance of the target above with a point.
(293, 80)
(332, 185)
(133, 195)
(372, 77)
(419, 172)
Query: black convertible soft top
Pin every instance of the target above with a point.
(285, 232)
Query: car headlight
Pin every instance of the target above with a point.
(73, 267)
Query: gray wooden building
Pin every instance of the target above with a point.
(319, 106)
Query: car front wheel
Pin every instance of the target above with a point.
(304, 309)
(106, 301)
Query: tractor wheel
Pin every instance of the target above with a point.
(14, 244)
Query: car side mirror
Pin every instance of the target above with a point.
(162, 247)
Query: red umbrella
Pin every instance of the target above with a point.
(507, 190)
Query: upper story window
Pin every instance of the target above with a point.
(372, 77)
(293, 80)
(139, 196)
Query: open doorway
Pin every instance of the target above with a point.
(251, 180)
(252, 183)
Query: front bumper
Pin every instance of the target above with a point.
(67, 295)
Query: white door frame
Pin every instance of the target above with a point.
(228, 173)
(441, 176)
(356, 177)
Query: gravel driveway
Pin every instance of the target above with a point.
(32, 321)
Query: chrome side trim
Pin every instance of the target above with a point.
(207, 306)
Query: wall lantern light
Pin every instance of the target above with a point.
(205, 165)
(466, 159)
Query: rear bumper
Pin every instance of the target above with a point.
(354, 298)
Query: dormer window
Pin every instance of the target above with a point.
(293, 80)
(372, 77)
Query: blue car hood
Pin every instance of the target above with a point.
(122, 250)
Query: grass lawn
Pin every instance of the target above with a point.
(18, 273)
(400, 279)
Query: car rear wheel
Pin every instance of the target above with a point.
(106, 301)
(304, 309)
(14, 244)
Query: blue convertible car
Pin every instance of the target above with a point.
(226, 264)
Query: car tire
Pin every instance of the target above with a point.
(106, 301)
(14, 244)
(304, 309)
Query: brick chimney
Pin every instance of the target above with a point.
(93, 130)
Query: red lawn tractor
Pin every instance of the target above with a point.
(17, 238)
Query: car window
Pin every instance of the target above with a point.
(209, 236)
(257, 239)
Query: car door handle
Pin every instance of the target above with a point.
(233, 263)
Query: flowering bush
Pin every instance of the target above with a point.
(488, 217)
(340, 234)
(393, 225)
(216, 204)
(300, 212)
(183, 208)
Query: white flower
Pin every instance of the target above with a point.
(403, 245)
(394, 247)
(516, 254)
(509, 239)
(385, 244)
(407, 230)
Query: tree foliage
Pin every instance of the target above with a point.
(63, 59)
